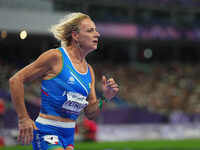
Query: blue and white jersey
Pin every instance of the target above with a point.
(65, 95)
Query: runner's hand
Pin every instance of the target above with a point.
(110, 87)
(26, 127)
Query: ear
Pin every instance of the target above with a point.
(75, 36)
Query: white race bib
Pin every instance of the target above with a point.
(75, 102)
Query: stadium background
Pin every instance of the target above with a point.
(151, 48)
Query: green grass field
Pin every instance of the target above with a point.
(191, 144)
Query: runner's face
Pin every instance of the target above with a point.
(88, 36)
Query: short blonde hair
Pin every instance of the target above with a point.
(63, 30)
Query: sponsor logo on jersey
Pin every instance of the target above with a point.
(71, 80)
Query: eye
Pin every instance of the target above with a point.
(91, 30)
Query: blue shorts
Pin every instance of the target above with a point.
(53, 134)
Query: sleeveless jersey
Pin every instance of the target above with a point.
(65, 95)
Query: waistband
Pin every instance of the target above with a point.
(55, 123)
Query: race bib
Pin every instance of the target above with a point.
(75, 102)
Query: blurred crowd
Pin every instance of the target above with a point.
(161, 88)
(32, 90)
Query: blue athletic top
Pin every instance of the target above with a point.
(65, 95)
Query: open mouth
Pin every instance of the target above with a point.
(95, 41)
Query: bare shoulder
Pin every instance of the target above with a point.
(92, 72)
(54, 52)
(51, 54)
(90, 67)
(50, 57)
(41, 67)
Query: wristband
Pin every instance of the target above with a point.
(100, 104)
(101, 101)
(104, 99)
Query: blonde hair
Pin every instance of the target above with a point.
(63, 30)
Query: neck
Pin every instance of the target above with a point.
(76, 53)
